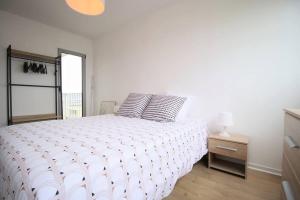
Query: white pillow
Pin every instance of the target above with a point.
(186, 108)
(183, 112)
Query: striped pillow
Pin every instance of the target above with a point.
(163, 108)
(134, 105)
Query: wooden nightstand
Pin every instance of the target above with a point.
(228, 154)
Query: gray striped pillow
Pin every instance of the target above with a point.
(134, 105)
(163, 108)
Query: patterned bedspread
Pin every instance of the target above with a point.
(101, 157)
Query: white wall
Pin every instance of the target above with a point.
(239, 56)
(27, 35)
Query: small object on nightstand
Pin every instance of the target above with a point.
(225, 120)
(228, 154)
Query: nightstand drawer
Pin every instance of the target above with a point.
(292, 183)
(227, 148)
(292, 128)
(293, 155)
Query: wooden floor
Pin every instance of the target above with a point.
(207, 184)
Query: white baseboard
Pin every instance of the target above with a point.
(264, 168)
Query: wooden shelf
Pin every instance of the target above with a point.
(34, 118)
(31, 56)
(228, 166)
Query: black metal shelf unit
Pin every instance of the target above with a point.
(26, 56)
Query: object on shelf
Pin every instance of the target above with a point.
(34, 67)
(40, 68)
(30, 66)
(25, 67)
(45, 70)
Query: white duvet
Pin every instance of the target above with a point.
(101, 157)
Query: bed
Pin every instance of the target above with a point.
(99, 157)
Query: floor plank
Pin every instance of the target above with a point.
(210, 184)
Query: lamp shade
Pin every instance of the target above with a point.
(87, 7)
(225, 119)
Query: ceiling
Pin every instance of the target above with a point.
(56, 13)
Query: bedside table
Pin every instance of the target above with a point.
(228, 154)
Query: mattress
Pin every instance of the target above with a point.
(99, 157)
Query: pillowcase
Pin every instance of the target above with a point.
(186, 108)
(163, 108)
(183, 112)
(134, 105)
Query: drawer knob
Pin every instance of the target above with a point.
(287, 190)
(289, 140)
(226, 148)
